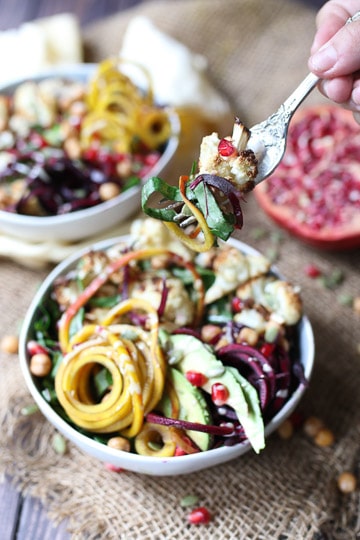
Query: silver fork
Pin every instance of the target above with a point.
(270, 135)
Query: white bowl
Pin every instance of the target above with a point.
(83, 223)
(133, 462)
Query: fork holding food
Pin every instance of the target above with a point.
(207, 203)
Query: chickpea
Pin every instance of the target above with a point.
(346, 482)
(209, 332)
(66, 130)
(324, 437)
(312, 426)
(159, 262)
(221, 343)
(119, 443)
(108, 191)
(356, 305)
(286, 430)
(10, 344)
(72, 147)
(249, 335)
(40, 364)
(123, 168)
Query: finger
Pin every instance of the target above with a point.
(338, 89)
(340, 55)
(355, 95)
(330, 18)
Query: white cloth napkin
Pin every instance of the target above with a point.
(39, 44)
(179, 76)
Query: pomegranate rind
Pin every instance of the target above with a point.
(339, 154)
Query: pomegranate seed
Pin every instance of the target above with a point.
(105, 157)
(226, 148)
(200, 515)
(151, 159)
(219, 394)
(196, 378)
(91, 154)
(179, 452)
(313, 271)
(37, 140)
(267, 349)
(113, 468)
(237, 304)
(33, 347)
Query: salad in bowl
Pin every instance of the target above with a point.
(75, 145)
(162, 360)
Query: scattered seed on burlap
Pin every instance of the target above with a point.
(9, 344)
(356, 305)
(59, 444)
(28, 410)
(346, 482)
(189, 500)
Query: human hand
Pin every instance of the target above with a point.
(335, 53)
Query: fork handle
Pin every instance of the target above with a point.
(298, 96)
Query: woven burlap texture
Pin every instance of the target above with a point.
(257, 54)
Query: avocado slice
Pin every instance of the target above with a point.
(192, 354)
(253, 423)
(193, 406)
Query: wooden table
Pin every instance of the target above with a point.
(23, 517)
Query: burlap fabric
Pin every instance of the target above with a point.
(257, 52)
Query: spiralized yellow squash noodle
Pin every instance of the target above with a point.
(119, 114)
(137, 367)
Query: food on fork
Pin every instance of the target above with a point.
(206, 205)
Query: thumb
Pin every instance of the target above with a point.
(340, 55)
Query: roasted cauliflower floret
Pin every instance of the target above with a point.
(229, 157)
(284, 300)
(64, 93)
(32, 106)
(253, 318)
(66, 291)
(232, 269)
(151, 233)
(179, 309)
(279, 297)
(92, 264)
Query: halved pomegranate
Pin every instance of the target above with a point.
(315, 191)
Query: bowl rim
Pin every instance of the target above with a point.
(158, 466)
(82, 72)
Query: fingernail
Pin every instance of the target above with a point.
(324, 59)
(357, 117)
(355, 96)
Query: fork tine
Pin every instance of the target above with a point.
(188, 221)
(179, 218)
(173, 206)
